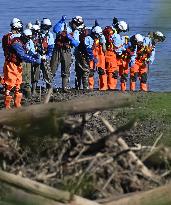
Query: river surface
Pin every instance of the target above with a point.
(142, 15)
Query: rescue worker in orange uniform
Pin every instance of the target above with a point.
(15, 55)
(16, 29)
(144, 48)
(138, 62)
(150, 42)
(114, 47)
(99, 49)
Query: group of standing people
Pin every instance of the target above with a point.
(105, 51)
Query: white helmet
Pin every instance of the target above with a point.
(158, 33)
(29, 25)
(122, 25)
(78, 20)
(97, 30)
(46, 22)
(27, 32)
(139, 38)
(15, 20)
(36, 27)
(17, 26)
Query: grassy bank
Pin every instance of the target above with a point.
(154, 108)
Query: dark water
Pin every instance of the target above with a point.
(142, 16)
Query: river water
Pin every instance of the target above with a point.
(142, 15)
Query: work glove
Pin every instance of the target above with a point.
(69, 36)
(63, 18)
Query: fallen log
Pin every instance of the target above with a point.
(158, 196)
(15, 196)
(25, 115)
(42, 190)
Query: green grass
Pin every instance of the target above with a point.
(153, 107)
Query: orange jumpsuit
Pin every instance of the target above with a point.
(100, 66)
(123, 64)
(140, 69)
(13, 71)
(111, 60)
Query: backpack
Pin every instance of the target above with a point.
(6, 43)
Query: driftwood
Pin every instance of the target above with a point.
(131, 154)
(158, 196)
(83, 105)
(41, 189)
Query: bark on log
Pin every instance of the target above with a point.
(25, 115)
(42, 190)
(14, 196)
(158, 196)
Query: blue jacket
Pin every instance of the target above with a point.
(118, 43)
(60, 26)
(89, 44)
(21, 52)
(30, 48)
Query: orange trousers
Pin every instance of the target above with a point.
(100, 66)
(123, 72)
(12, 78)
(139, 70)
(112, 69)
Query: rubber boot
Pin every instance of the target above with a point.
(28, 92)
(77, 83)
(143, 87)
(91, 83)
(85, 82)
(112, 82)
(34, 93)
(17, 101)
(103, 82)
(65, 85)
(123, 86)
(132, 86)
(7, 101)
